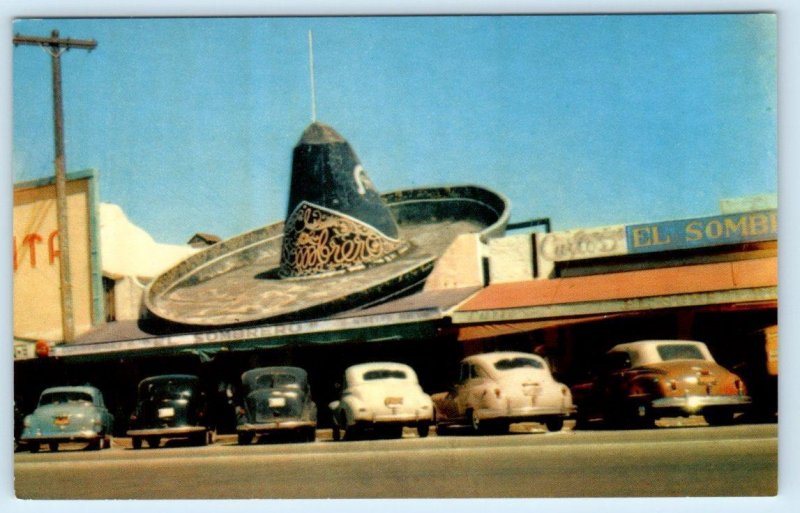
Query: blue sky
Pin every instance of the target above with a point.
(588, 120)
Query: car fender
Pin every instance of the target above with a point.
(440, 401)
(334, 405)
(477, 398)
(349, 405)
(311, 411)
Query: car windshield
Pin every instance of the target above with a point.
(65, 397)
(517, 363)
(274, 380)
(384, 374)
(680, 352)
(172, 389)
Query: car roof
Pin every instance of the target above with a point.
(491, 358)
(647, 343)
(354, 373)
(84, 388)
(166, 377)
(645, 350)
(251, 374)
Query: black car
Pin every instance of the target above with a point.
(276, 399)
(170, 406)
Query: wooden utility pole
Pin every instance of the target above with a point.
(55, 46)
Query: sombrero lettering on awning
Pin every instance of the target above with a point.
(409, 318)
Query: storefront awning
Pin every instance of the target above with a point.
(469, 332)
(728, 283)
(411, 317)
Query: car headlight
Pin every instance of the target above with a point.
(26, 422)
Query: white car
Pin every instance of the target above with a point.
(495, 390)
(382, 397)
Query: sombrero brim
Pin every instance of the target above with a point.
(236, 281)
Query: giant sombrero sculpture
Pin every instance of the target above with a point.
(343, 245)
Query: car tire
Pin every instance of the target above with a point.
(643, 417)
(33, 447)
(200, 439)
(153, 441)
(718, 417)
(394, 431)
(554, 424)
(443, 430)
(349, 433)
(475, 423)
(136, 442)
(581, 421)
(423, 428)
(352, 433)
(500, 427)
(53, 446)
(244, 438)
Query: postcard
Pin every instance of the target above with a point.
(395, 257)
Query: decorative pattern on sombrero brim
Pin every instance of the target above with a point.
(319, 241)
(237, 281)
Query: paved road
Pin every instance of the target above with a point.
(688, 461)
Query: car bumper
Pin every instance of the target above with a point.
(78, 436)
(412, 418)
(524, 413)
(176, 432)
(695, 404)
(279, 425)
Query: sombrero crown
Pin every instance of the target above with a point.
(336, 224)
(336, 220)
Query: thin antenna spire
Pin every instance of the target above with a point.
(311, 72)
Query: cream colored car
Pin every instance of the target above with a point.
(380, 397)
(495, 390)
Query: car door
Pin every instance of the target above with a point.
(613, 381)
(470, 388)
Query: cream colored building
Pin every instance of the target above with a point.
(111, 260)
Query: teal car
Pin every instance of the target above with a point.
(68, 414)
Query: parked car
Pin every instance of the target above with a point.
(497, 389)
(68, 414)
(170, 406)
(638, 382)
(382, 397)
(276, 399)
(19, 418)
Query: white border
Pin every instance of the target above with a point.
(788, 27)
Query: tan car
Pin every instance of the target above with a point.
(495, 390)
(639, 382)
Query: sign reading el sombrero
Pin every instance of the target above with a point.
(703, 232)
(607, 241)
